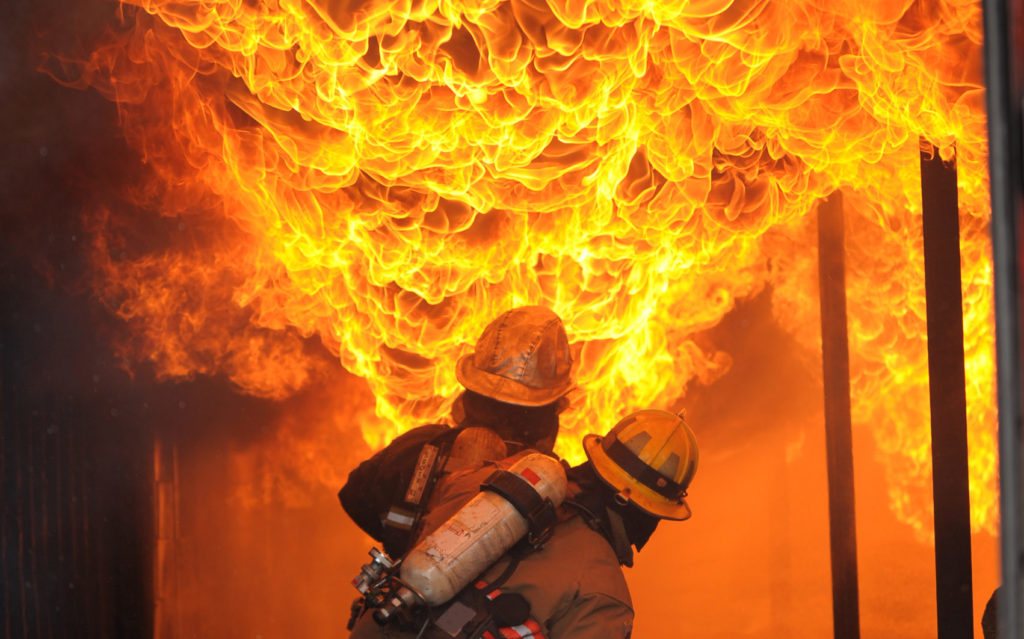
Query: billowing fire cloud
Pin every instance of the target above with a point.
(386, 177)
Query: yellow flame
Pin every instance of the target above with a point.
(389, 176)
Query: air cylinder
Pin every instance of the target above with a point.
(476, 536)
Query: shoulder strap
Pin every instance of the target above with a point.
(619, 538)
(401, 522)
(380, 481)
(538, 511)
(605, 521)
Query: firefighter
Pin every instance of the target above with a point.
(516, 381)
(572, 586)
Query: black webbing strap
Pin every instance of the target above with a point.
(637, 469)
(401, 521)
(499, 581)
(468, 615)
(538, 511)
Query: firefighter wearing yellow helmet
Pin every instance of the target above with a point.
(649, 457)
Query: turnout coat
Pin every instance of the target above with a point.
(574, 583)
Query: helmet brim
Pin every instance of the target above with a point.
(504, 389)
(639, 495)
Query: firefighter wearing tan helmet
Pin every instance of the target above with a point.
(515, 380)
(522, 358)
(571, 586)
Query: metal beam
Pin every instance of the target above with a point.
(838, 435)
(1003, 71)
(948, 396)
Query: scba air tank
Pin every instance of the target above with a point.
(483, 530)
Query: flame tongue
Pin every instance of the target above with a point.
(389, 176)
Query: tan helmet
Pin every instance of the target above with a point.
(650, 457)
(521, 358)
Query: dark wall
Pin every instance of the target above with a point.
(76, 438)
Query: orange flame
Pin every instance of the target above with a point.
(388, 176)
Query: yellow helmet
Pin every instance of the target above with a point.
(522, 358)
(650, 457)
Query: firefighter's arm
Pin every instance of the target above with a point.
(593, 616)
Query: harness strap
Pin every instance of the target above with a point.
(619, 538)
(402, 520)
(528, 629)
(538, 511)
(500, 580)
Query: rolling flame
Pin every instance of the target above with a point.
(386, 177)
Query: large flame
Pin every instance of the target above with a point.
(388, 176)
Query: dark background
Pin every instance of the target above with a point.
(78, 431)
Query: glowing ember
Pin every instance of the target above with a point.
(388, 176)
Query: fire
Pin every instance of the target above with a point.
(386, 177)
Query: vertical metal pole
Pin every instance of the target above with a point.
(838, 436)
(948, 396)
(1003, 79)
(8, 496)
(166, 623)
